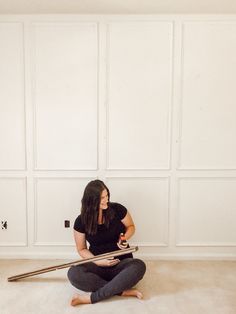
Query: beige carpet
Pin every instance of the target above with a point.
(169, 287)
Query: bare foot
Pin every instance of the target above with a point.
(80, 299)
(132, 293)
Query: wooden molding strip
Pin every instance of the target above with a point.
(78, 262)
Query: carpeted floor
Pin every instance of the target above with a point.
(169, 287)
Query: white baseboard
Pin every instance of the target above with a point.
(147, 256)
(190, 257)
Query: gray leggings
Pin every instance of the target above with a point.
(105, 282)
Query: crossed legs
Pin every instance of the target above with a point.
(104, 282)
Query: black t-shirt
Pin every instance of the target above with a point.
(105, 240)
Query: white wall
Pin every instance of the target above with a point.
(117, 7)
(146, 104)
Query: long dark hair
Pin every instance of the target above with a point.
(90, 206)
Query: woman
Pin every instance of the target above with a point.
(100, 224)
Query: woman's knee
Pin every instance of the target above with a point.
(71, 274)
(140, 267)
(74, 273)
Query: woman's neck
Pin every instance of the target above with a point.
(100, 217)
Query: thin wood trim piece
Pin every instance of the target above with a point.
(78, 262)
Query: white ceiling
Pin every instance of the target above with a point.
(117, 6)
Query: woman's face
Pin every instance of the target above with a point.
(104, 199)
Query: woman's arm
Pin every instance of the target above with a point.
(81, 245)
(129, 225)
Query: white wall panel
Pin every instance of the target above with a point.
(12, 112)
(145, 103)
(13, 211)
(147, 199)
(208, 112)
(206, 212)
(139, 95)
(57, 200)
(65, 95)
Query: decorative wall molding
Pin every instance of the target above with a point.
(36, 209)
(15, 243)
(169, 113)
(21, 57)
(65, 25)
(210, 21)
(180, 243)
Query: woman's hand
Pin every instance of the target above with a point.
(122, 243)
(107, 262)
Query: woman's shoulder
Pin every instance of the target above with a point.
(78, 218)
(115, 205)
(119, 209)
(78, 225)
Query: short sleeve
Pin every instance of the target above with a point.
(78, 226)
(121, 211)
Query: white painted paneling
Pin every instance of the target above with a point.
(65, 95)
(12, 112)
(208, 128)
(206, 212)
(139, 95)
(57, 200)
(13, 211)
(145, 103)
(147, 199)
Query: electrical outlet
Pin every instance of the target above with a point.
(4, 225)
(67, 223)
